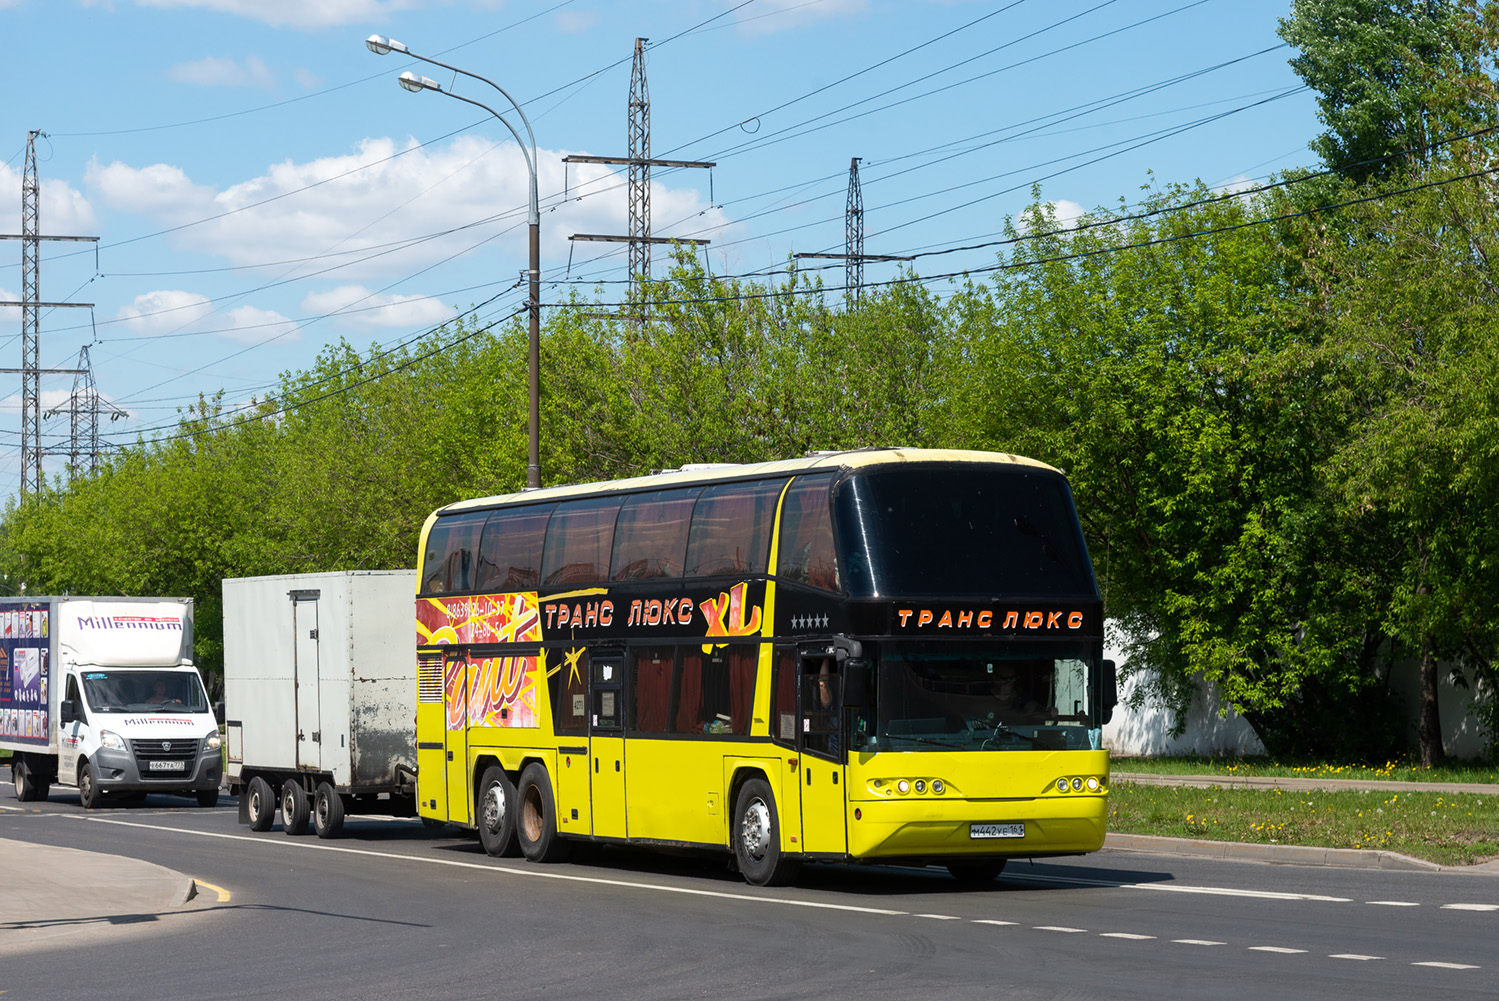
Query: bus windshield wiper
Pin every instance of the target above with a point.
(923, 740)
(1010, 731)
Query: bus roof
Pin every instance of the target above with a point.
(705, 473)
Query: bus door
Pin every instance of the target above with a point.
(821, 743)
(606, 743)
(305, 669)
(457, 679)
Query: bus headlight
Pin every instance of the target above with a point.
(1077, 785)
(937, 786)
(903, 786)
(1092, 784)
(1062, 785)
(921, 785)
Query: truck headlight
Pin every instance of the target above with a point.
(212, 742)
(111, 740)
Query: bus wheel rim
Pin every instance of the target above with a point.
(755, 829)
(494, 808)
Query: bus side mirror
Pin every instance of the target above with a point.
(856, 682)
(67, 712)
(1109, 683)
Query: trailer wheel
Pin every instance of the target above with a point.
(88, 786)
(496, 813)
(294, 808)
(327, 811)
(757, 838)
(260, 804)
(28, 789)
(537, 824)
(976, 872)
(208, 797)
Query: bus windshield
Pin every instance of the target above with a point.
(977, 530)
(138, 691)
(1003, 696)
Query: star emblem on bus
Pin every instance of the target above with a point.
(809, 621)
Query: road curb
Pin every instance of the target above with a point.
(1345, 858)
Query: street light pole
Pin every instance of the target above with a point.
(380, 45)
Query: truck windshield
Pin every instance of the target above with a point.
(137, 691)
(983, 697)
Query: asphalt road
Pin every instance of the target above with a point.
(392, 911)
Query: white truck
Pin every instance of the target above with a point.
(320, 690)
(102, 694)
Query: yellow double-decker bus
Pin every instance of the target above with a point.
(885, 655)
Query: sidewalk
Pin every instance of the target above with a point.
(49, 894)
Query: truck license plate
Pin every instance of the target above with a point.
(996, 830)
(164, 766)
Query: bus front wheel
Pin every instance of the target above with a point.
(976, 872)
(537, 824)
(757, 838)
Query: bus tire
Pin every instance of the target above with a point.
(89, 793)
(757, 838)
(294, 808)
(327, 811)
(536, 824)
(28, 789)
(260, 804)
(976, 872)
(496, 810)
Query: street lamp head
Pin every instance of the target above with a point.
(380, 45)
(417, 84)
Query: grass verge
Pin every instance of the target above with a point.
(1265, 767)
(1451, 829)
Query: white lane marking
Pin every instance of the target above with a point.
(1222, 891)
(1392, 903)
(991, 921)
(1061, 928)
(506, 870)
(1274, 948)
(1352, 955)
(939, 917)
(1195, 941)
(1124, 934)
(1470, 907)
(1449, 966)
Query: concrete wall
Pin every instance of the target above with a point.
(1146, 731)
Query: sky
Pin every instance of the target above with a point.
(261, 187)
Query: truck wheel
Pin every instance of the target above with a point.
(327, 811)
(260, 804)
(757, 838)
(496, 813)
(28, 789)
(88, 786)
(294, 809)
(536, 828)
(208, 797)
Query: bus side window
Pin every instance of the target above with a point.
(510, 549)
(731, 529)
(716, 691)
(807, 553)
(650, 538)
(448, 563)
(570, 705)
(651, 688)
(579, 538)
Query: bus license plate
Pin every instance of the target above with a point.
(996, 830)
(164, 766)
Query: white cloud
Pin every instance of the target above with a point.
(377, 310)
(296, 13)
(352, 208)
(1235, 185)
(573, 22)
(788, 15)
(64, 210)
(214, 72)
(172, 311)
(1067, 212)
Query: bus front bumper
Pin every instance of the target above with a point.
(932, 827)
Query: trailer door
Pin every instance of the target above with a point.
(305, 666)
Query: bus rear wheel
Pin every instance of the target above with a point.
(536, 827)
(497, 809)
(976, 872)
(757, 838)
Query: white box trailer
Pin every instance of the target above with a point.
(320, 697)
(101, 693)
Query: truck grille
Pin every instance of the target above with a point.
(185, 752)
